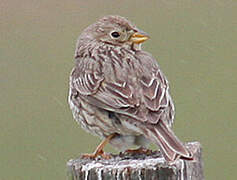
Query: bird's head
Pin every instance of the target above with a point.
(113, 30)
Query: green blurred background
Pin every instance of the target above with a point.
(195, 42)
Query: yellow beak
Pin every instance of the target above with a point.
(138, 37)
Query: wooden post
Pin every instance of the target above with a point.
(138, 167)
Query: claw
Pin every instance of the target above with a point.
(99, 150)
(96, 154)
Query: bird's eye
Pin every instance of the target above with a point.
(115, 34)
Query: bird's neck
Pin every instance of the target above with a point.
(91, 47)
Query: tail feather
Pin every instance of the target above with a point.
(171, 147)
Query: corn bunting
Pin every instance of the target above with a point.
(118, 91)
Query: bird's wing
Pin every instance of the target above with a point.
(86, 77)
(144, 100)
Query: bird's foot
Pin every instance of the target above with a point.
(99, 150)
(140, 150)
(94, 155)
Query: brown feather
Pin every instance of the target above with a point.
(118, 91)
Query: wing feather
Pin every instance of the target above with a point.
(143, 98)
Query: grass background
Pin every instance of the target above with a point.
(194, 41)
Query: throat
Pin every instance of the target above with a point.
(137, 47)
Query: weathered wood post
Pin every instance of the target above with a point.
(138, 167)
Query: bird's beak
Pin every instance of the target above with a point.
(139, 37)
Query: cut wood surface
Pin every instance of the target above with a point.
(127, 166)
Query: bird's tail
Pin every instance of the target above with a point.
(171, 147)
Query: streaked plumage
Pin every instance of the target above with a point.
(117, 88)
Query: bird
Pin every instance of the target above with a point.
(118, 92)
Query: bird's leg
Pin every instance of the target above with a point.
(99, 150)
(140, 150)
